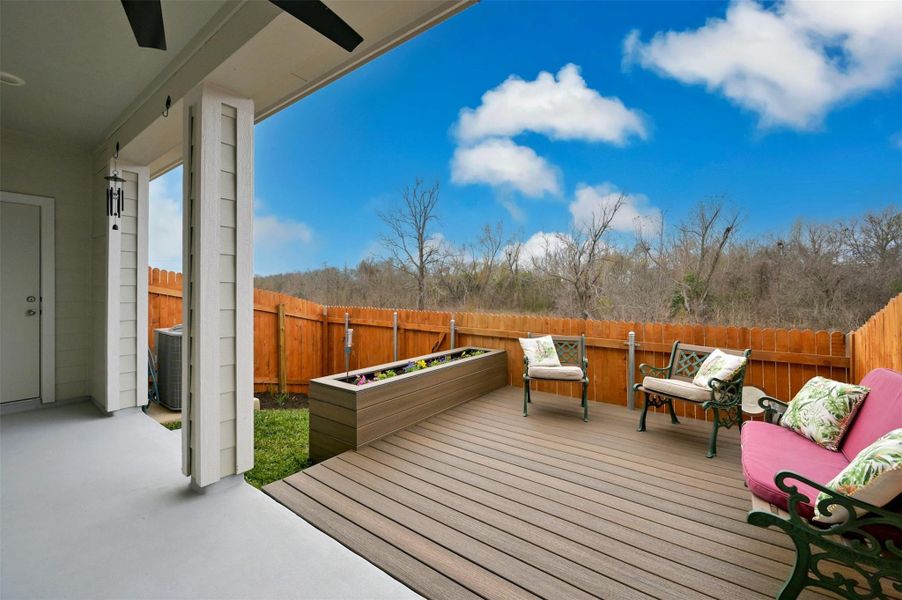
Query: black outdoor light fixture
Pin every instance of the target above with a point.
(114, 197)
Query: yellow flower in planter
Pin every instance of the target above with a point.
(421, 364)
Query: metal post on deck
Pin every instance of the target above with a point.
(394, 336)
(347, 343)
(631, 370)
(452, 334)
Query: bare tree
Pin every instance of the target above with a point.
(576, 259)
(413, 249)
(811, 275)
(693, 256)
(877, 239)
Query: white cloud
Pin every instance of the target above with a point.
(539, 245)
(791, 64)
(634, 213)
(165, 223)
(502, 163)
(561, 108)
(277, 240)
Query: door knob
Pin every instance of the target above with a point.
(31, 312)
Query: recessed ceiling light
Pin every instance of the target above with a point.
(10, 79)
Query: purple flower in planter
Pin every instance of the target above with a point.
(361, 380)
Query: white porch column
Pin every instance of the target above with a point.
(217, 339)
(120, 291)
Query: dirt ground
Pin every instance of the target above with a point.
(269, 400)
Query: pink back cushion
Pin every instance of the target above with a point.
(880, 413)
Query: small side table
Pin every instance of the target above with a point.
(750, 397)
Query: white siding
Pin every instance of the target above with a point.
(218, 347)
(227, 245)
(128, 296)
(47, 168)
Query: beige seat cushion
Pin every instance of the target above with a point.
(677, 388)
(565, 373)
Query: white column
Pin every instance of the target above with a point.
(120, 259)
(217, 339)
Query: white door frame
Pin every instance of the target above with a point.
(48, 289)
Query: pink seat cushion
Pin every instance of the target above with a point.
(768, 449)
(880, 413)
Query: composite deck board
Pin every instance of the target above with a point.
(479, 501)
(732, 497)
(617, 535)
(422, 578)
(629, 465)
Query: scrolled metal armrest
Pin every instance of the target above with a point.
(768, 403)
(727, 394)
(772, 407)
(856, 529)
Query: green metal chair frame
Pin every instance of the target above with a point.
(685, 360)
(872, 564)
(571, 351)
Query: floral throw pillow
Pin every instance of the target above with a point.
(540, 351)
(718, 364)
(823, 410)
(874, 476)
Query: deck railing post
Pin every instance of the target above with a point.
(452, 334)
(394, 336)
(347, 343)
(631, 370)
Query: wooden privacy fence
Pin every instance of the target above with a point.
(296, 340)
(782, 360)
(878, 343)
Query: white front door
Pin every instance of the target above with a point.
(20, 301)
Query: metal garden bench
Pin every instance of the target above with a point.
(662, 385)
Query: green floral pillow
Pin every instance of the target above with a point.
(718, 364)
(823, 410)
(874, 476)
(540, 351)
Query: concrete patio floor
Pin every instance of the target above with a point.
(93, 506)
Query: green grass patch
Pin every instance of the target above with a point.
(280, 444)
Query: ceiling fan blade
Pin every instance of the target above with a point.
(321, 18)
(146, 19)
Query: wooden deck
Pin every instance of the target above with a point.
(481, 502)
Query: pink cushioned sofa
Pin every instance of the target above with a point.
(768, 449)
(784, 469)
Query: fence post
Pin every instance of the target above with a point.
(324, 342)
(347, 344)
(283, 371)
(394, 336)
(631, 371)
(452, 334)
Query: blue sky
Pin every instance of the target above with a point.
(787, 110)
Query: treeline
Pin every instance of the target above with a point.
(816, 275)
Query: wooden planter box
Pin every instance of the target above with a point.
(345, 416)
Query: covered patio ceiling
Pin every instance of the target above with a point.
(87, 83)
